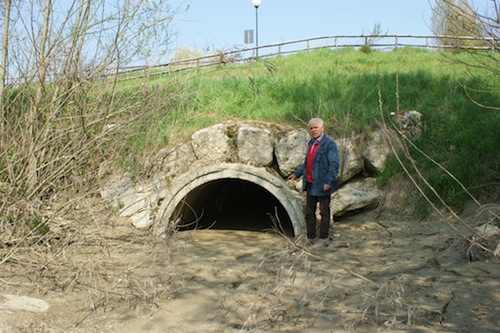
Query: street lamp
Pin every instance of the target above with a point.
(256, 4)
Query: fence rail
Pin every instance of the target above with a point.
(377, 42)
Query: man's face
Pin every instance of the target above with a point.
(316, 129)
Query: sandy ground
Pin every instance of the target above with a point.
(378, 273)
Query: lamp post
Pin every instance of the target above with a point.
(256, 4)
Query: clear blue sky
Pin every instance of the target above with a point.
(220, 24)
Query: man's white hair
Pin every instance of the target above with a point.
(315, 120)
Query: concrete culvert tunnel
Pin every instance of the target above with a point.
(232, 204)
(233, 197)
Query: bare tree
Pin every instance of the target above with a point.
(458, 24)
(3, 65)
(56, 127)
(456, 18)
(375, 35)
(42, 67)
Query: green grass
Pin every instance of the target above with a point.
(331, 84)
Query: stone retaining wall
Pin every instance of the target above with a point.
(263, 153)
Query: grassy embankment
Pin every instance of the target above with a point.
(56, 137)
(352, 91)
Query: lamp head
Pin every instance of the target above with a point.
(256, 3)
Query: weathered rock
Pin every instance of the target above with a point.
(211, 144)
(488, 230)
(355, 195)
(290, 150)
(23, 303)
(135, 200)
(117, 187)
(351, 162)
(496, 253)
(376, 151)
(412, 124)
(255, 145)
(176, 160)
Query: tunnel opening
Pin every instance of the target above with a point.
(232, 204)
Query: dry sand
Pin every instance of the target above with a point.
(376, 274)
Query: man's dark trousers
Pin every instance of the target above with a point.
(310, 214)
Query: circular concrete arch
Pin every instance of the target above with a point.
(222, 177)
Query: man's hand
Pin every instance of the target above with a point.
(326, 187)
(292, 177)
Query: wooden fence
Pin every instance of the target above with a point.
(377, 42)
(243, 55)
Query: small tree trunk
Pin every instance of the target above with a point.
(3, 69)
(42, 65)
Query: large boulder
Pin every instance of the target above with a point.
(412, 124)
(211, 144)
(290, 150)
(376, 150)
(135, 200)
(351, 161)
(255, 145)
(357, 194)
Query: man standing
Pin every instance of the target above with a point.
(319, 180)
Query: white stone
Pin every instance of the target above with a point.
(255, 145)
(355, 195)
(488, 230)
(290, 150)
(351, 162)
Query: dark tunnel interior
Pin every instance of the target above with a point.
(232, 204)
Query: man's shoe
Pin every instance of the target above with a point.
(309, 242)
(321, 242)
